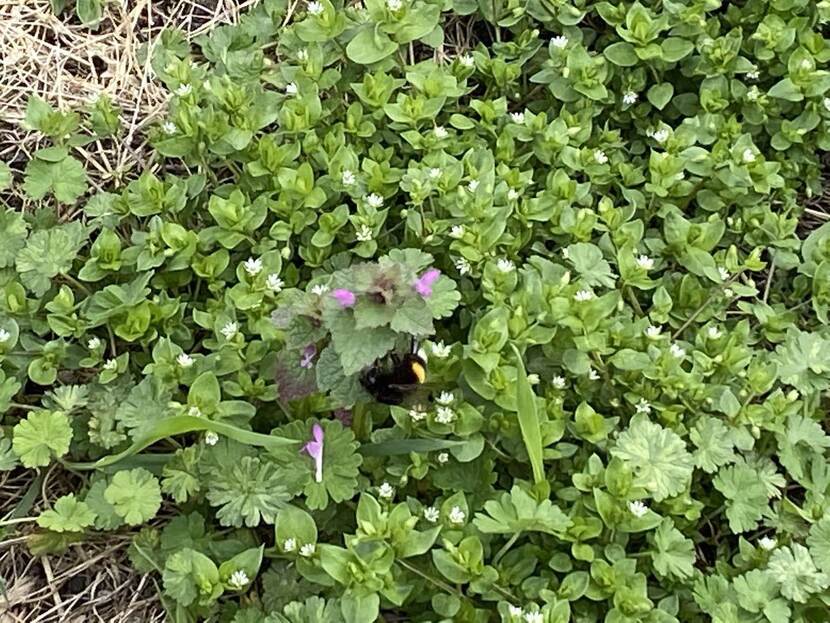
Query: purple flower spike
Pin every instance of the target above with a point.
(307, 360)
(345, 298)
(423, 284)
(314, 448)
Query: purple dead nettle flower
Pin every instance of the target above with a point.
(423, 284)
(345, 298)
(307, 360)
(314, 448)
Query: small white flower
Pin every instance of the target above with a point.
(533, 378)
(724, 274)
(645, 262)
(643, 406)
(583, 295)
(229, 330)
(505, 266)
(660, 135)
(677, 351)
(827, 103)
(457, 516)
(374, 201)
(184, 360)
(211, 438)
(302, 55)
(320, 289)
(291, 88)
(239, 579)
(169, 128)
(111, 364)
(434, 173)
(194, 411)
(347, 177)
(559, 42)
(805, 64)
(472, 186)
(638, 509)
(767, 543)
(92, 343)
(515, 611)
(629, 98)
(386, 491)
(253, 266)
(753, 94)
(315, 8)
(513, 194)
(417, 415)
(443, 458)
(394, 5)
(441, 350)
(517, 117)
(593, 375)
(714, 333)
(184, 90)
(558, 382)
(445, 398)
(289, 545)
(440, 132)
(728, 292)
(462, 266)
(653, 332)
(753, 75)
(600, 157)
(467, 60)
(748, 155)
(307, 550)
(457, 231)
(444, 415)
(364, 233)
(274, 283)
(534, 617)
(432, 514)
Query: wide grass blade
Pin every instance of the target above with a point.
(528, 419)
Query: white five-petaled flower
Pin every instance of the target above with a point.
(445, 398)
(444, 415)
(194, 411)
(827, 103)
(457, 516)
(320, 289)
(229, 330)
(805, 64)
(289, 545)
(443, 458)
(441, 350)
(374, 200)
(677, 351)
(168, 127)
(653, 332)
(504, 265)
(184, 90)
(593, 375)
(462, 266)
(291, 88)
(111, 364)
(645, 262)
(239, 579)
(364, 233)
(440, 132)
(347, 177)
(315, 8)
(559, 42)
(307, 550)
(513, 194)
(417, 414)
(434, 173)
(767, 543)
(184, 360)
(558, 382)
(515, 611)
(533, 378)
(517, 117)
(253, 266)
(753, 93)
(302, 55)
(748, 155)
(638, 509)
(211, 438)
(92, 343)
(724, 274)
(394, 5)
(432, 514)
(660, 135)
(753, 75)
(386, 491)
(457, 231)
(714, 333)
(534, 617)
(583, 295)
(643, 406)
(600, 157)
(467, 60)
(472, 186)
(629, 98)
(274, 283)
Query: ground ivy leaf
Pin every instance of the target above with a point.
(67, 515)
(444, 298)
(105, 516)
(672, 554)
(714, 444)
(135, 494)
(146, 403)
(65, 179)
(40, 435)
(359, 349)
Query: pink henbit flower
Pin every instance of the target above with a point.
(314, 448)
(345, 298)
(423, 284)
(307, 360)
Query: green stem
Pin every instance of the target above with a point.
(435, 581)
(77, 284)
(505, 548)
(9, 522)
(17, 405)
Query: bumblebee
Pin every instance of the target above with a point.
(392, 379)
